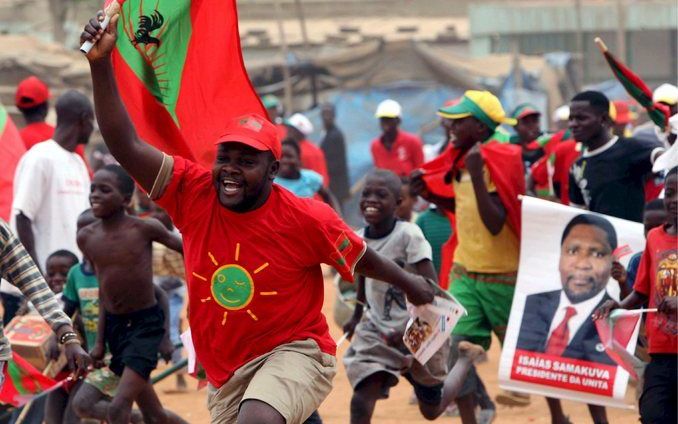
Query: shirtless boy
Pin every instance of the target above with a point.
(131, 321)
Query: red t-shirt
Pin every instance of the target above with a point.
(566, 153)
(406, 154)
(313, 158)
(657, 278)
(254, 278)
(36, 132)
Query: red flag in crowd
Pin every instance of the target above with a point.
(504, 162)
(180, 72)
(636, 87)
(615, 333)
(23, 382)
(11, 149)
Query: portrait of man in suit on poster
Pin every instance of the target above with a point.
(559, 322)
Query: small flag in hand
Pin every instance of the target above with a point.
(621, 251)
(23, 382)
(615, 333)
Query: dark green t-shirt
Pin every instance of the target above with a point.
(83, 288)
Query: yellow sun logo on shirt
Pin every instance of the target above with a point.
(232, 286)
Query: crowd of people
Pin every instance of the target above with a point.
(122, 236)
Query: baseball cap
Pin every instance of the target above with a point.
(482, 105)
(389, 109)
(523, 110)
(254, 131)
(31, 92)
(623, 114)
(301, 123)
(665, 93)
(562, 113)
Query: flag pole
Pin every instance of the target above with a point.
(601, 44)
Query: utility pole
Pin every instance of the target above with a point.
(621, 31)
(287, 77)
(579, 36)
(302, 24)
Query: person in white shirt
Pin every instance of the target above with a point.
(558, 322)
(51, 184)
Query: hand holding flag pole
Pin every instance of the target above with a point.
(111, 8)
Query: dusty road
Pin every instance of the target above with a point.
(396, 409)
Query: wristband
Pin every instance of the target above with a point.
(69, 335)
(72, 341)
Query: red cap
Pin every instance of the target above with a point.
(624, 113)
(254, 131)
(31, 92)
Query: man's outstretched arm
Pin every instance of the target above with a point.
(140, 159)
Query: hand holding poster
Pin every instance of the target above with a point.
(552, 347)
(431, 325)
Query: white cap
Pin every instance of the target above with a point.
(301, 123)
(669, 158)
(389, 109)
(561, 114)
(666, 93)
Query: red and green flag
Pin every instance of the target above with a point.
(23, 382)
(11, 149)
(615, 333)
(181, 74)
(636, 88)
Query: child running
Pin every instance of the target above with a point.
(302, 182)
(131, 322)
(657, 283)
(253, 254)
(377, 356)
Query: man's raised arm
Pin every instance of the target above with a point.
(140, 159)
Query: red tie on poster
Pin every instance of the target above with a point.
(561, 335)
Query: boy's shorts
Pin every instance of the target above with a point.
(487, 299)
(293, 378)
(104, 380)
(133, 340)
(370, 354)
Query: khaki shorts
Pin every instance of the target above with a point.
(293, 378)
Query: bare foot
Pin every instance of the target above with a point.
(471, 351)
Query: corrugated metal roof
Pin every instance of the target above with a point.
(558, 17)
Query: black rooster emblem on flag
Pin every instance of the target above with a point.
(148, 24)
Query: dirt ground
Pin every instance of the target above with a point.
(395, 410)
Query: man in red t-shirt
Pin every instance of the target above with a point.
(312, 156)
(31, 99)
(657, 283)
(396, 150)
(252, 253)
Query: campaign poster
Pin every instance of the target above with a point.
(552, 347)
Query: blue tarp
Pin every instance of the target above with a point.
(355, 117)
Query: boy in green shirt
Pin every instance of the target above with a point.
(82, 290)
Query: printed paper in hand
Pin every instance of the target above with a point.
(187, 341)
(431, 325)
